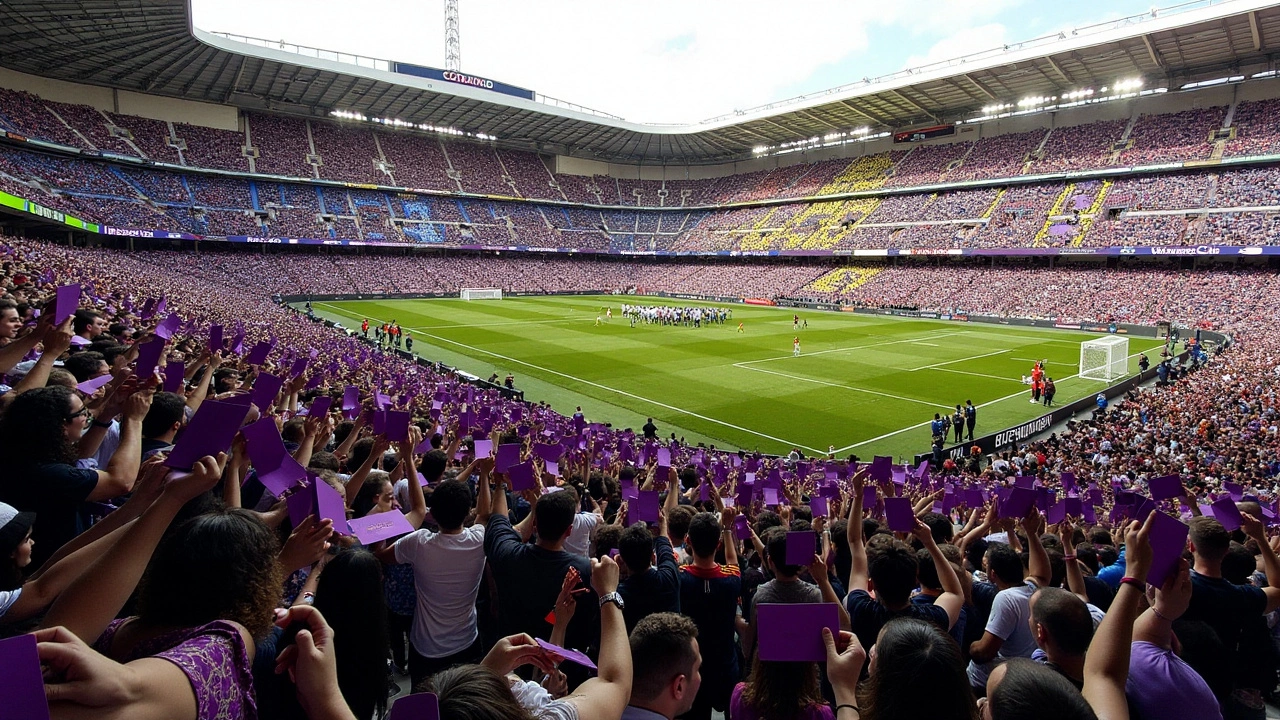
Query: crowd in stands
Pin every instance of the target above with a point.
(149, 198)
(359, 153)
(286, 518)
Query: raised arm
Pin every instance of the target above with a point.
(606, 695)
(952, 598)
(1038, 569)
(859, 576)
(727, 518)
(93, 600)
(1075, 578)
(417, 500)
(484, 494)
(1254, 529)
(1106, 667)
(122, 469)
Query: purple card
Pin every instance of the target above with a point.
(869, 496)
(1228, 514)
(89, 387)
(899, 513)
(742, 527)
(1168, 539)
(792, 632)
(259, 353)
(330, 505)
(1019, 503)
(1068, 480)
(818, 506)
(508, 455)
(65, 304)
(572, 656)
(1235, 490)
(419, 706)
(521, 476)
(771, 497)
(664, 457)
(215, 338)
(24, 697)
(210, 432)
(644, 508)
(378, 422)
(397, 425)
(265, 389)
(881, 469)
(549, 452)
(276, 468)
(174, 374)
(1162, 488)
(320, 406)
(1074, 506)
(350, 397)
(1056, 513)
(801, 547)
(379, 526)
(166, 329)
(484, 448)
(149, 358)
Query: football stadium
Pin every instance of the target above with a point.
(939, 378)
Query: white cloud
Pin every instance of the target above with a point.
(962, 42)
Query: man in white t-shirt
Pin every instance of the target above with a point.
(1008, 632)
(448, 568)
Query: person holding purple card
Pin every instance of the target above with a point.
(529, 576)
(205, 596)
(448, 567)
(786, 585)
(490, 683)
(1227, 608)
(652, 584)
(38, 436)
(1008, 631)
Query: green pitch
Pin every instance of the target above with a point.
(862, 384)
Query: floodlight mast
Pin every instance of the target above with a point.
(452, 39)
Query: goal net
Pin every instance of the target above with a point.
(1105, 358)
(481, 294)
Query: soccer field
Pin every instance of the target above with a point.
(863, 384)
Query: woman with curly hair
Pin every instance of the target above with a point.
(38, 436)
(206, 596)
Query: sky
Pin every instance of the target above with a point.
(663, 61)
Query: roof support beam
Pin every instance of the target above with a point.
(985, 90)
(914, 104)
(226, 97)
(1152, 52)
(820, 121)
(1060, 72)
(868, 115)
(1255, 30)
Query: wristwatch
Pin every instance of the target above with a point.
(614, 598)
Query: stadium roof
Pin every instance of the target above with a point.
(151, 46)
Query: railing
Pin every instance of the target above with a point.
(305, 50)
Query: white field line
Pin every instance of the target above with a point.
(953, 362)
(846, 387)
(843, 349)
(471, 325)
(977, 374)
(926, 422)
(924, 343)
(1049, 362)
(624, 393)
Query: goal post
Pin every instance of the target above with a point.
(481, 293)
(1104, 358)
